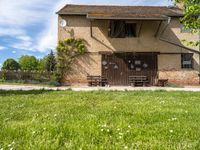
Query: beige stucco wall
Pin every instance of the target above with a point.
(79, 27)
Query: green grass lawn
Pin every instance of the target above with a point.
(99, 120)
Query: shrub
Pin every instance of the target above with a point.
(54, 83)
(11, 64)
(50, 62)
(28, 63)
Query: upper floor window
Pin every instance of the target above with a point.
(122, 29)
(130, 29)
(187, 60)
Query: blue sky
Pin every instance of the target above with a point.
(30, 26)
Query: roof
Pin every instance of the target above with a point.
(122, 12)
(126, 16)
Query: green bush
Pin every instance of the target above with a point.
(28, 63)
(53, 83)
(10, 64)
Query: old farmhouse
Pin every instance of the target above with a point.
(128, 41)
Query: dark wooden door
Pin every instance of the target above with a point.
(118, 67)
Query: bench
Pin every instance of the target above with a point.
(138, 80)
(162, 82)
(97, 81)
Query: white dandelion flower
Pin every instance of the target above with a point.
(9, 145)
(120, 133)
(104, 125)
(125, 147)
(173, 119)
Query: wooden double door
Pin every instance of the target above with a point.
(117, 67)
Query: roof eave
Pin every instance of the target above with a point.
(71, 13)
(125, 18)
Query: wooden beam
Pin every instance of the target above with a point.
(158, 29)
(139, 31)
(173, 43)
(91, 31)
(169, 53)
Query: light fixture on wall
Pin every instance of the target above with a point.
(104, 62)
(63, 23)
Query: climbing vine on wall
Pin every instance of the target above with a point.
(68, 50)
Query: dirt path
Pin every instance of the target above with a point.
(28, 87)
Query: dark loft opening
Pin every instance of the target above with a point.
(130, 29)
(122, 29)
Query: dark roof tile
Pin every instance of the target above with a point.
(120, 10)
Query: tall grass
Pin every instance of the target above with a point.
(99, 120)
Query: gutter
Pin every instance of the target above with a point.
(173, 43)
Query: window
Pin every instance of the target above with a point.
(121, 29)
(187, 60)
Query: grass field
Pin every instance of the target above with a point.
(99, 120)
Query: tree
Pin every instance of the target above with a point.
(28, 62)
(191, 19)
(50, 62)
(42, 64)
(10, 64)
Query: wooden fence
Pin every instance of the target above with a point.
(26, 75)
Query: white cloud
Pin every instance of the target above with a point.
(25, 43)
(7, 31)
(47, 39)
(22, 12)
(2, 47)
(17, 16)
(24, 38)
(14, 52)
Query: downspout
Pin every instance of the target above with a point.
(173, 43)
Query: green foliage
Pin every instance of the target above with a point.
(50, 62)
(28, 62)
(53, 83)
(68, 50)
(42, 64)
(56, 76)
(58, 120)
(4, 75)
(191, 19)
(10, 64)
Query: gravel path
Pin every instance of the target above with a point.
(26, 88)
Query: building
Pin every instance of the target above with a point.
(130, 40)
